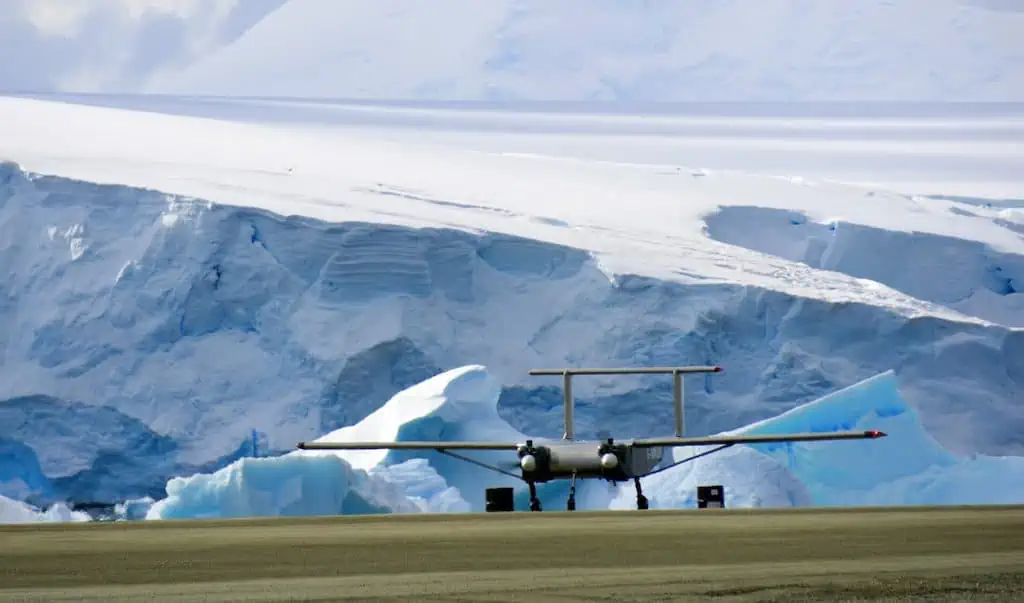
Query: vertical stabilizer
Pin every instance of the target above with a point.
(677, 388)
(567, 405)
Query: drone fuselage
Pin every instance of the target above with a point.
(618, 461)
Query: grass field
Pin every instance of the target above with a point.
(905, 554)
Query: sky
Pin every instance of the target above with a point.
(112, 45)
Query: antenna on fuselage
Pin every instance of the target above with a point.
(677, 388)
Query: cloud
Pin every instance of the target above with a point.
(53, 18)
(113, 45)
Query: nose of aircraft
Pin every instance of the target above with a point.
(528, 462)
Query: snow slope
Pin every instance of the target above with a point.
(968, 276)
(748, 50)
(179, 279)
(907, 467)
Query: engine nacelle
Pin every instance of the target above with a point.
(535, 462)
(562, 459)
(609, 461)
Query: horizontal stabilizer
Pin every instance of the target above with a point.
(656, 370)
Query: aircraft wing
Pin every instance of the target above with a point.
(758, 439)
(640, 443)
(408, 445)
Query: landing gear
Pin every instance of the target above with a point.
(571, 505)
(534, 501)
(641, 500)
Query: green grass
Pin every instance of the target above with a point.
(902, 554)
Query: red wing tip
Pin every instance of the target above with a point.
(874, 433)
(718, 369)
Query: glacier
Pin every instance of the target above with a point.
(148, 336)
(907, 467)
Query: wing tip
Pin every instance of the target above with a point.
(874, 433)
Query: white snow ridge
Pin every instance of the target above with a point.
(193, 286)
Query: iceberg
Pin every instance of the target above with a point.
(15, 511)
(289, 485)
(455, 405)
(907, 467)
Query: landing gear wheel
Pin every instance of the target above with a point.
(641, 500)
(571, 505)
(534, 501)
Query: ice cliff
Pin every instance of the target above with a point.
(145, 337)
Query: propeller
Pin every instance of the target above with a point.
(604, 435)
(508, 465)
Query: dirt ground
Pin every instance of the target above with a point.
(902, 554)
